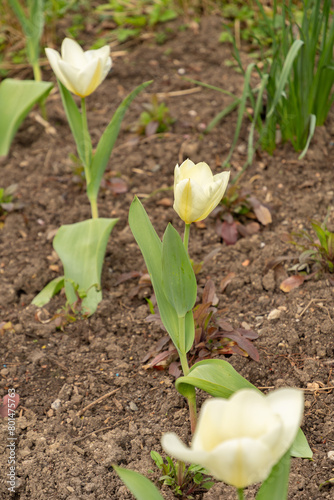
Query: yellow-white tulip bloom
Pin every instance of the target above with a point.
(239, 440)
(80, 72)
(196, 191)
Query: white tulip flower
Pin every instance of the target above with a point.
(239, 440)
(80, 72)
(196, 191)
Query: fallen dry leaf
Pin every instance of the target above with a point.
(291, 283)
(165, 202)
(226, 281)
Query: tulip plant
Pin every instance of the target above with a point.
(196, 193)
(81, 246)
(241, 441)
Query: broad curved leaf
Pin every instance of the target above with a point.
(141, 487)
(81, 248)
(214, 376)
(17, 97)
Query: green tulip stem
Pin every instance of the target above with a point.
(191, 397)
(241, 495)
(186, 236)
(85, 137)
(87, 148)
(182, 345)
(192, 410)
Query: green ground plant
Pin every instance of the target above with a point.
(290, 93)
(132, 17)
(183, 481)
(156, 118)
(317, 252)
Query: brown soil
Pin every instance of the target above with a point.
(63, 455)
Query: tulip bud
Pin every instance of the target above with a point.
(196, 191)
(239, 440)
(80, 72)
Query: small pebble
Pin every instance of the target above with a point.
(56, 404)
(330, 455)
(274, 314)
(133, 406)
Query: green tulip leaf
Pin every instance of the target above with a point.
(74, 117)
(17, 97)
(178, 277)
(214, 376)
(276, 485)
(300, 447)
(107, 141)
(81, 248)
(151, 248)
(49, 291)
(141, 487)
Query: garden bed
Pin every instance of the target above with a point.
(65, 451)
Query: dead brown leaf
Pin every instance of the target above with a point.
(291, 283)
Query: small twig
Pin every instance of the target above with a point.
(94, 432)
(97, 401)
(308, 305)
(175, 93)
(109, 428)
(329, 388)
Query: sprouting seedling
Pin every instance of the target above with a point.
(183, 481)
(156, 118)
(316, 253)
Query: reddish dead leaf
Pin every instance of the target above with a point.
(157, 348)
(127, 276)
(244, 344)
(209, 292)
(174, 369)
(224, 325)
(165, 202)
(117, 185)
(151, 128)
(8, 405)
(262, 213)
(226, 281)
(229, 232)
(291, 283)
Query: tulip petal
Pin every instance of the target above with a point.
(240, 462)
(215, 193)
(96, 78)
(288, 404)
(72, 53)
(209, 429)
(55, 62)
(103, 54)
(173, 446)
(200, 173)
(84, 81)
(247, 414)
(190, 201)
